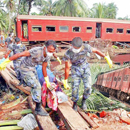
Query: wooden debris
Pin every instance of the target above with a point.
(7, 78)
(71, 118)
(85, 116)
(26, 90)
(44, 122)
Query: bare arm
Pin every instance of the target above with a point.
(44, 65)
(16, 56)
(55, 56)
(6, 55)
(67, 69)
(94, 50)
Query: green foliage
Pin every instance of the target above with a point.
(70, 8)
(96, 101)
(101, 10)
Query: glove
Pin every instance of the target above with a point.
(48, 83)
(2, 60)
(109, 61)
(4, 64)
(58, 59)
(66, 86)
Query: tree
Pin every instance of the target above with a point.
(97, 10)
(26, 5)
(10, 5)
(111, 11)
(103, 11)
(2, 20)
(70, 8)
(46, 8)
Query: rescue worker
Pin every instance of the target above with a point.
(2, 42)
(10, 45)
(31, 58)
(77, 56)
(7, 40)
(18, 47)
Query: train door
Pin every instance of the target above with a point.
(98, 30)
(24, 30)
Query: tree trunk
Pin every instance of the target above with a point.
(9, 22)
(30, 5)
(18, 7)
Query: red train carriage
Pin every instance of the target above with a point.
(41, 28)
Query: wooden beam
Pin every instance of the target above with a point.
(71, 118)
(85, 116)
(44, 122)
(7, 78)
(26, 90)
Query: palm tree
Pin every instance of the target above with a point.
(3, 25)
(46, 8)
(98, 10)
(10, 5)
(70, 8)
(111, 11)
(26, 5)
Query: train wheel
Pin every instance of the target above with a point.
(112, 92)
(118, 94)
(123, 96)
(105, 89)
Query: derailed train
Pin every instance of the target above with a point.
(116, 83)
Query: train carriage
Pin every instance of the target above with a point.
(32, 28)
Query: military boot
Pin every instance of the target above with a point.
(39, 110)
(84, 106)
(75, 106)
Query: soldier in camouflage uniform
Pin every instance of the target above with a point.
(18, 47)
(31, 58)
(77, 56)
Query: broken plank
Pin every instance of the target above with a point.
(71, 118)
(7, 78)
(14, 81)
(26, 90)
(44, 122)
(85, 116)
(11, 71)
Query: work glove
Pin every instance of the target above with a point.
(2, 60)
(48, 83)
(4, 64)
(109, 61)
(58, 59)
(65, 83)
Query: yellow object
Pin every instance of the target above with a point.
(4, 64)
(58, 59)
(48, 83)
(65, 83)
(109, 61)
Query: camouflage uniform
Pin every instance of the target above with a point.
(17, 48)
(10, 48)
(79, 70)
(28, 71)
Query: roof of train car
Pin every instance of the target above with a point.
(26, 17)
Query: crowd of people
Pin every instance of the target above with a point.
(25, 61)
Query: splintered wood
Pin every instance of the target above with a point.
(71, 118)
(44, 122)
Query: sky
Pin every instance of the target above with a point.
(122, 5)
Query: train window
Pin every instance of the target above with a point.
(109, 30)
(76, 29)
(50, 29)
(128, 31)
(89, 29)
(36, 28)
(119, 30)
(63, 28)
